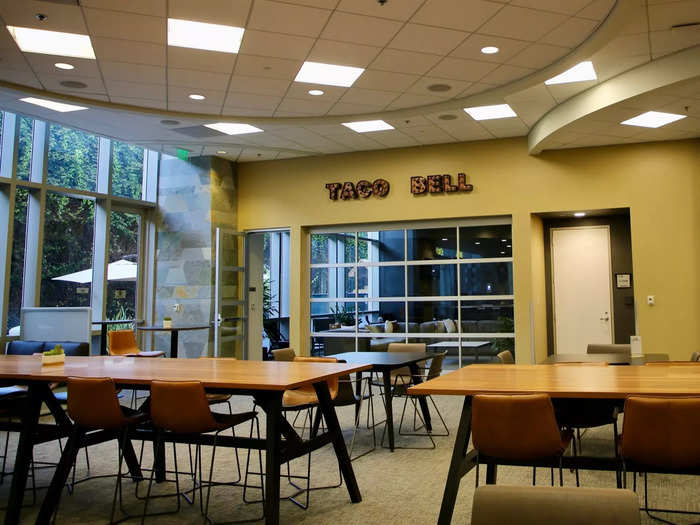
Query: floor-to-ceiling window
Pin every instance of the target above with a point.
(448, 285)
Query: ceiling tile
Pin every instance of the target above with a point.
(522, 23)
(421, 87)
(394, 138)
(409, 100)
(571, 33)
(285, 18)
(117, 50)
(538, 56)
(254, 155)
(477, 87)
(253, 101)
(505, 74)
(257, 85)
(247, 112)
(180, 95)
(127, 26)
(264, 43)
(569, 7)
(402, 123)
(427, 39)
(197, 79)
(610, 67)
(300, 90)
(462, 128)
(222, 12)
(133, 72)
(636, 21)
(388, 81)
(652, 101)
(26, 78)
(152, 7)
(561, 92)
(117, 88)
(665, 42)
(368, 97)
(471, 48)
(344, 108)
(360, 29)
(662, 17)
(596, 10)
(141, 102)
(59, 17)
(309, 107)
(200, 60)
(464, 15)
(505, 127)
(537, 94)
(188, 106)
(342, 53)
(266, 67)
(430, 134)
(404, 62)
(45, 63)
(52, 82)
(394, 10)
(460, 69)
(321, 4)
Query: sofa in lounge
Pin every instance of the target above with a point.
(34, 347)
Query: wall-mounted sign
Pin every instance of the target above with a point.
(623, 280)
(439, 184)
(364, 188)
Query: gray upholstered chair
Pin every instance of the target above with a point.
(609, 349)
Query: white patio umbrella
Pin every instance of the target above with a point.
(121, 270)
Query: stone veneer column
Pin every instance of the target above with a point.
(194, 198)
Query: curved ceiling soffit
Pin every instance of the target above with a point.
(677, 67)
(606, 31)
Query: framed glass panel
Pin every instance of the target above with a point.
(381, 281)
(483, 242)
(486, 278)
(24, 148)
(373, 315)
(127, 170)
(487, 316)
(122, 271)
(431, 243)
(72, 158)
(432, 280)
(332, 248)
(17, 262)
(429, 314)
(380, 246)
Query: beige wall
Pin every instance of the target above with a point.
(659, 182)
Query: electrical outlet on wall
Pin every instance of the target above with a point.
(651, 300)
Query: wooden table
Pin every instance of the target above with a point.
(265, 381)
(611, 359)
(385, 362)
(609, 382)
(174, 330)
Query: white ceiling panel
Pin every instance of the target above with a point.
(343, 53)
(427, 39)
(522, 23)
(267, 44)
(430, 134)
(222, 12)
(561, 92)
(117, 50)
(200, 60)
(569, 7)
(662, 17)
(368, 97)
(360, 29)
(393, 10)
(461, 69)
(355, 111)
(570, 33)
(117, 88)
(385, 80)
(596, 10)
(59, 17)
(258, 85)
(463, 15)
(666, 42)
(404, 62)
(150, 7)
(472, 46)
(266, 67)
(141, 73)
(52, 82)
(422, 87)
(394, 139)
(45, 63)
(189, 106)
(537, 56)
(307, 107)
(198, 79)
(180, 95)
(253, 101)
(126, 26)
(409, 100)
(505, 73)
(143, 102)
(280, 17)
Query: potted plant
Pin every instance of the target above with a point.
(342, 316)
(167, 322)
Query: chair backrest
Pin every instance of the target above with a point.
(506, 357)
(662, 432)
(406, 347)
(24, 347)
(93, 403)
(519, 427)
(609, 349)
(181, 407)
(121, 342)
(332, 383)
(284, 354)
(436, 366)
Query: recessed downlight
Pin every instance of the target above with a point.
(490, 50)
(580, 214)
(196, 96)
(316, 92)
(64, 65)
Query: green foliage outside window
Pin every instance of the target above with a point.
(24, 148)
(72, 158)
(127, 170)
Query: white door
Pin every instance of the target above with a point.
(581, 277)
(231, 304)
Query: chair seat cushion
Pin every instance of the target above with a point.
(218, 398)
(296, 398)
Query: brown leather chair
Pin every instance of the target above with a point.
(518, 428)
(123, 342)
(660, 434)
(182, 408)
(609, 349)
(284, 354)
(506, 357)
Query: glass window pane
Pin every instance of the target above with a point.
(127, 170)
(380, 246)
(68, 248)
(17, 262)
(486, 279)
(24, 148)
(122, 270)
(487, 316)
(433, 243)
(72, 158)
(380, 281)
(374, 314)
(432, 280)
(332, 248)
(481, 242)
(333, 282)
(426, 315)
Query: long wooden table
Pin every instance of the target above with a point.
(609, 382)
(265, 381)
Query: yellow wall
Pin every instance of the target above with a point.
(659, 182)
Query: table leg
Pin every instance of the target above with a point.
(358, 393)
(25, 447)
(103, 339)
(132, 461)
(173, 343)
(491, 473)
(460, 464)
(273, 411)
(416, 379)
(389, 408)
(326, 406)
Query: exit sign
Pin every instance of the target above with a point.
(182, 154)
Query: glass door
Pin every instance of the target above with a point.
(231, 307)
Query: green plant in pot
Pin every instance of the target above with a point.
(167, 322)
(343, 315)
(506, 343)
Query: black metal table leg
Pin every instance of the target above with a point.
(341, 451)
(416, 379)
(103, 339)
(358, 393)
(461, 463)
(272, 406)
(491, 473)
(30, 418)
(132, 461)
(389, 408)
(173, 343)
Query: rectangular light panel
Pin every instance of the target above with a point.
(199, 35)
(368, 125)
(328, 74)
(579, 73)
(652, 119)
(491, 112)
(52, 42)
(230, 128)
(50, 104)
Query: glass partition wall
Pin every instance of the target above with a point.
(74, 207)
(448, 285)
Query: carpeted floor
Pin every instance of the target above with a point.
(397, 488)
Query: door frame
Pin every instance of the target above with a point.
(611, 311)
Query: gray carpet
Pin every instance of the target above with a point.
(401, 487)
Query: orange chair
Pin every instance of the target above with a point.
(123, 342)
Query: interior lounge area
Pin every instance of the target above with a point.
(350, 261)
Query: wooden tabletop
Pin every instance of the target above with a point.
(612, 359)
(384, 359)
(605, 382)
(161, 328)
(213, 373)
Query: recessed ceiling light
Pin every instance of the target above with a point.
(368, 125)
(328, 74)
(445, 239)
(489, 50)
(52, 42)
(504, 240)
(231, 128)
(580, 214)
(652, 119)
(503, 253)
(199, 35)
(50, 104)
(491, 112)
(196, 96)
(316, 92)
(477, 242)
(579, 73)
(221, 152)
(63, 65)
(508, 246)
